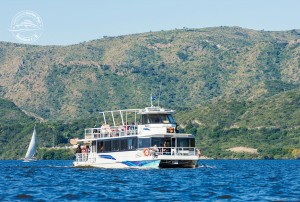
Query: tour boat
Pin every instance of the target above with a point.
(150, 140)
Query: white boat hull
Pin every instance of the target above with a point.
(134, 159)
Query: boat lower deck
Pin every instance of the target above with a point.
(134, 159)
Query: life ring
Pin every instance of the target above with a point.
(146, 152)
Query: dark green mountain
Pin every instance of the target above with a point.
(269, 124)
(14, 129)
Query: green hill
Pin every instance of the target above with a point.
(14, 126)
(231, 87)
(270, 125)
(194, 66)
(16, 130)
(218, 126)
(281, 110)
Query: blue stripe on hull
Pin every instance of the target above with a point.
(147, 163)
(107, 157)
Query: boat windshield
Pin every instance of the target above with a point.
(157, 119)
(185, 142)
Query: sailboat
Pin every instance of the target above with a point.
(32, 148)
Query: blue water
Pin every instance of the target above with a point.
(215, 180)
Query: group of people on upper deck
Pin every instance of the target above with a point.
(114, 131)
(83, 149)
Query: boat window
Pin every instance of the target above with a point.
(132, 143)
(107, 146)
(115, 145)
(185, 142)
(123, 144)
(100, 146)
(158, 141)
(157, 119)
(144, 142)
(192, 142)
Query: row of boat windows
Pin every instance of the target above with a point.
(134, 143)
(157, 119)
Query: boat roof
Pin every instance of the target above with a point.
(156, 110)
(146, 110)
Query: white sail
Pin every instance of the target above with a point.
(32, 147)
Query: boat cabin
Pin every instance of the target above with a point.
(135, 143)
(150, 126)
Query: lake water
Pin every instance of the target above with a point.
(215, 180)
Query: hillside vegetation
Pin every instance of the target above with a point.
(14, 127)
(231, 87)
(16, 130)
(194, 66)
(218, 127)
(270, 125)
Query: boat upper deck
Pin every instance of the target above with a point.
(108, 132)
(144, 122)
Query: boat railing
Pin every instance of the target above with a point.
(81, 157)
(86, 157)
(110, 131)
(173, 151)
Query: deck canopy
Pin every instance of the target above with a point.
(122, 117)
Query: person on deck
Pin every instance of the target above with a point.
(83, 150)
(199, 152)
(78, 150)
(105, 130)
(154, 150)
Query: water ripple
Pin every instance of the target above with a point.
(213, 181)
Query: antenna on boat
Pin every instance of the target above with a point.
(97, 121)
(159, 93)
(151, 99)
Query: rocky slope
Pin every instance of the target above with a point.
(193, 65)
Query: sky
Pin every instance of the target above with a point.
(67, 22)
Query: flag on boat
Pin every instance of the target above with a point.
(153, 98)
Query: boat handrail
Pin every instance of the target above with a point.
(160, 151)
(82, 157)
(122, 110)
(86, 157)
(173, 151)
(110, 131)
